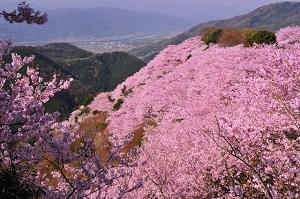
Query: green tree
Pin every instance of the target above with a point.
(261, 37)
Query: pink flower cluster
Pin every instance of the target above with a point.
(227, 121)
(288, 35)
(30, 136)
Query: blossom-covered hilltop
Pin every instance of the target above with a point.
(216, 122)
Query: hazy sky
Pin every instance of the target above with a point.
(200, 10)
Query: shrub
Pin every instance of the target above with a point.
(211, 35)
(125, 91)
(226, 37)
(231, 37)
(86, 100)
(234, 36)
(118, 104)
(260, 37)
(101, 125)
(86, 110)
(246, 32)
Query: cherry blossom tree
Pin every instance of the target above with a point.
(39, 156)
(288, 35)
(214, 123)
(40, 151)
(24, 13)
(217, 122)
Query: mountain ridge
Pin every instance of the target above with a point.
(91, 23)
(268, 17)
(92, 73)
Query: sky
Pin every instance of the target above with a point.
(198, 10)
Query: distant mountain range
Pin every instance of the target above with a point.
(93, 23)
(269, 17)
(92, 73)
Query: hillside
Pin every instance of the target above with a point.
(49, 65)
(92, 73)
(269, 17)
(210, 120)
(61, 51)
(93, 23)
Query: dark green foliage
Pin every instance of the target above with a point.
(213, 36)
(63, 102)
(261, 37)
(86, 100)
(62, 51)
(92, 73)
(12, 187)
(228, 37)
(118, 104)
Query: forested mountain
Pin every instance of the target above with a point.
(92, 73)
(269, 17)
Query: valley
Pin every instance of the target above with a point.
(92, 73)
(110, 44)
(107, 103)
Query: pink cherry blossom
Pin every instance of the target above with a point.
(289, 34)
(227, 120)
(30, 135)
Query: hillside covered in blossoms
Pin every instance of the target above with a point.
(213, 122)
(215, 117)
